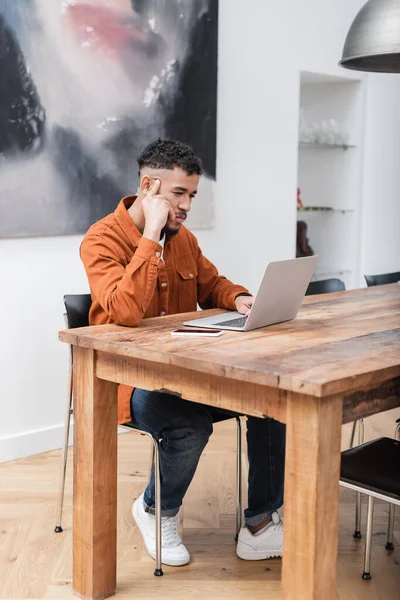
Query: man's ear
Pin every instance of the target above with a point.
(145, 183)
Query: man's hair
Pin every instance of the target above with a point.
(168, 154)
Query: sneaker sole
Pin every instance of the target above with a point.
(256, 555)
(164, 561)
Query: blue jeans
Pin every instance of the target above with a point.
(184, 428)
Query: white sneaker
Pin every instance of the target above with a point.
(267, 543)
(173, 552)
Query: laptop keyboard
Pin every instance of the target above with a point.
(239, 322)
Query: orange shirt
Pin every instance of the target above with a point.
(130, 281)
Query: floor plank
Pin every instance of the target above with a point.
(37, 563)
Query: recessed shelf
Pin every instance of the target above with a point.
(318, 145)
(329, 168)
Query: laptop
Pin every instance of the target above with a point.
(278, 299)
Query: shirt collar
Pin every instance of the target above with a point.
(125, 220)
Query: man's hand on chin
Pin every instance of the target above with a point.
(244, 304)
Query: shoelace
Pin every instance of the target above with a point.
(275, 518)
(277, 521)
(170, 535)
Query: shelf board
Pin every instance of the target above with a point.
(332, 271)
(317, 145)
(325, 209)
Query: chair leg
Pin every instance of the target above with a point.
(397, 432)
(389, 541)
(357, 530)
(353, 434)
(368, 543)
(158, 570)
(64, 456)
(152, 458)
(238, 476)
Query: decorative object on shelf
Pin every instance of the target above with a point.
(324, 133)
(373, 41)
(302, 246)
(299, 201)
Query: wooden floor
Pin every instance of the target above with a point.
(35, 562)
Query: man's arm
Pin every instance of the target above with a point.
(123, 292)
(243, 303)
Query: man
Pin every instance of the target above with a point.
(142, 262)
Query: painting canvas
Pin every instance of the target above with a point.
(84, 86)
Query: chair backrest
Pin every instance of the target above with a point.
(382, 279)
(325, 286)
(77, 307)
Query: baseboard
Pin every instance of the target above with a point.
(35, 442)
(32, 442)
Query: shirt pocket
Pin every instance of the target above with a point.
(187, 276)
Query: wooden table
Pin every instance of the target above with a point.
(337, 362)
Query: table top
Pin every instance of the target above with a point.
(338, 342)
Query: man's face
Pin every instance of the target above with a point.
(177, 187)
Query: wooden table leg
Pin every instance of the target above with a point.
(95, 480)
(311, 497)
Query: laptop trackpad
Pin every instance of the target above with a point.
(229, 316)
(212, 321)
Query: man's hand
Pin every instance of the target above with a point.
(156, 209)
(244, 304)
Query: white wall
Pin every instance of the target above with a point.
(35, 274)
(263, 46)
(380, 241)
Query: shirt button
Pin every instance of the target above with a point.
(191, 275)
(162, 314)
(164, 285)
(158, 254)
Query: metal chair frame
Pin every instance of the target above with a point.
(370, 514)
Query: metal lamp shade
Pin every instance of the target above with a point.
(373, 41)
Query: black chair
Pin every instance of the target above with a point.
(325, 286)
(382, 279)
(374, 469)
(77, 308)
